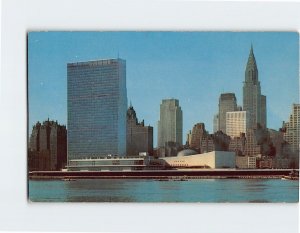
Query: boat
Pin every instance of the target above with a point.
(181, 179)
(68, 179)
(163, 179)
(294, 175)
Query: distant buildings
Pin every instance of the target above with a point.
(48, 146)
(253, 101)
(227, 103)
(170, 123)
(188, 138)
(100, 127)
(237, 144)
(97, 104)
(292, 129)
(215, 142)
(251, 145)
(245, 162)
(198, 133)
(139, 136)
(237, 122)
(216, 123)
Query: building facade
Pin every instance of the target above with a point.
(170, 122)
(48, 146)
(237, 144)
(97, 104)
(253, 101)
(245, 162)
(139, 136)
(251, 145)
(227, 103)
(188, 138)
(213, 160)
(198, 132)
(292, 129)
(216, 123)
(237, 122)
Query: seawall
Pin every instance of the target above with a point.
(161, 174)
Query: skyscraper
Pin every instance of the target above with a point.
(170, 123)
(227, 103)
(48, 146)
(292, 129)
(216, 123)
(198, 133)
(253, 101)
(237, 122)
(97, 104)
(139, 136)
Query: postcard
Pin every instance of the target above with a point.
(163, 116)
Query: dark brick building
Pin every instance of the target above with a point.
(198, 132)
(139, 136)
(48, 146)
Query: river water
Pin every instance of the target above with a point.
(134, 190)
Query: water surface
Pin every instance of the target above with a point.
(133, 190)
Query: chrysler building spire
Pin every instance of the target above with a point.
(251, 73)
(253, 101)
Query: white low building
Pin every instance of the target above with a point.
(188, 159)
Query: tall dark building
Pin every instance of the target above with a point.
(139, 136)
(253, 101)
(198, 132)
(227, 103)
(217, 141)
(48, 146)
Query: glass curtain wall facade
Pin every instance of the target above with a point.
(97, 104)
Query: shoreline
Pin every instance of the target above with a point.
(180, 174)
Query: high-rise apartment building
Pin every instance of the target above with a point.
(97, 104)
(227, 103)
(139, 136)
(237, 122)
(253, 101)
(292, 129)
(170, 122)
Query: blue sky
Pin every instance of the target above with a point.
(194, 67)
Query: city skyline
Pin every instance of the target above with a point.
(189, 66)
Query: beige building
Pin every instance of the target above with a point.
(292, 129)
(245, 162)
(236, 123)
